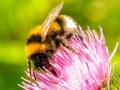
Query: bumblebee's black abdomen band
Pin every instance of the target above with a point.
(34, 38)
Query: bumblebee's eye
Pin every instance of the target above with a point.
(38, 58)
(35, 59)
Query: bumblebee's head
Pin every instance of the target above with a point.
(40, 59)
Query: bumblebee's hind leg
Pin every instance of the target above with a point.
(64, 42)
(69, 35)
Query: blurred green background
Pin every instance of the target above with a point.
(17, 17)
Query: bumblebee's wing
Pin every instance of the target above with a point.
(50, 19)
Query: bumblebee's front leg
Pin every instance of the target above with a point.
(62, 40)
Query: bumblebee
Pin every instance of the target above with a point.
(44, 39)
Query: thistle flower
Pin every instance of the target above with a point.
(88, 68)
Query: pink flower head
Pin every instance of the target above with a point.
(87, 68)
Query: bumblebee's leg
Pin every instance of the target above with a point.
(68, 36)
(29, 65)
(64, 42)
(78, 36)
(34, 75)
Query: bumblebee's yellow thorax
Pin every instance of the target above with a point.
(36, 48)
